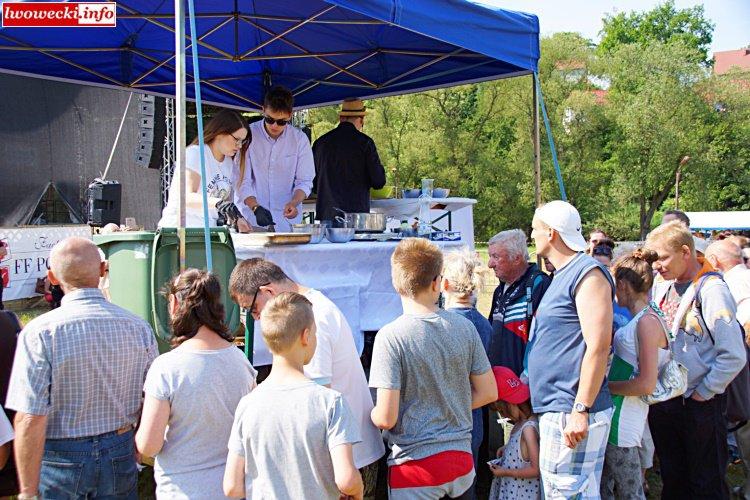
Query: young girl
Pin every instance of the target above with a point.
(192, 393)
(632, 374)
(225, 135)
(459, 286)
(516, 469)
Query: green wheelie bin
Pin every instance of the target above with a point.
(165, 264)
(129, 257)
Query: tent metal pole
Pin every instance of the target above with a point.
(537, 146)
(537, 154)
(180, 116)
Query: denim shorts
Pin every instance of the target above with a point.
(101, 467)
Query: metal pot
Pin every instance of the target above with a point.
(363, 222)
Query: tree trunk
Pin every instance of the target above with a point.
(645, 224)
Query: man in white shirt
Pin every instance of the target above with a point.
(726, 257)
(254, 282)
(281, 164)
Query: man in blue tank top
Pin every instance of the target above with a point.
(567, 360)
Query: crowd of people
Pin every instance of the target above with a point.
(593, 364)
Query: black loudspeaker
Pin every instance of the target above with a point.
(152, 130)
(104, 201)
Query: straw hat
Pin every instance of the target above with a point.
(353, 107)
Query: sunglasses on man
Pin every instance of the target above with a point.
(281, 122)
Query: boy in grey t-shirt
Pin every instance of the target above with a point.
(292, 438)
(430, 370)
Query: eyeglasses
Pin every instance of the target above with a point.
(281, 122)
(255, 297)
(240, 142)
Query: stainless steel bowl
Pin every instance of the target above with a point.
(316, 231)
(339, 234)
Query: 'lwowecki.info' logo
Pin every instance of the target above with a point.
(59, 14)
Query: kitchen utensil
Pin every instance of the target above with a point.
(269, 239)
(411, 193)
(377, 237)
(363, 222)
(446, 236)
(341, 221)
(316, 231)
(440, 193)
(339, 234)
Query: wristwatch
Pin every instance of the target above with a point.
(579, 407)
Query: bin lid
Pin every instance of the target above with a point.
(102, 239)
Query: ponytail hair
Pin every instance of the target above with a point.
(199, 304)
(635, 269)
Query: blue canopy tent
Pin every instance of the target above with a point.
(324, 50)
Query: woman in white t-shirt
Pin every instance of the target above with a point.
(192, 393)
(635, 366)
(225, 135)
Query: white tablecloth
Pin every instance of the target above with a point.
(356, 276)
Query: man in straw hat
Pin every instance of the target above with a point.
(347, 164)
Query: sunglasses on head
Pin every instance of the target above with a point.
(278, 121)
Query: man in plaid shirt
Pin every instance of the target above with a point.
(76, 386)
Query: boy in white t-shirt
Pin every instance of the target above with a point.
(291, 437)
(335, 364)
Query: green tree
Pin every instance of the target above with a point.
(660, 115)
(663, 24)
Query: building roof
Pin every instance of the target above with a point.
(728, 59)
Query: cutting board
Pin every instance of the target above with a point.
(269, 239)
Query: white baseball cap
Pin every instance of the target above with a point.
(565, 219)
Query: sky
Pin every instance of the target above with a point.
(730, 17)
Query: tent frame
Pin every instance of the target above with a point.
(236, 17)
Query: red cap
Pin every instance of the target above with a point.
(509, 386)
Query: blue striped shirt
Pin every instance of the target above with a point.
(83, 365)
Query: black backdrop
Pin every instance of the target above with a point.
(62, 133)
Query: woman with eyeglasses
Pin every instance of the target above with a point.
(282, 166)
(192, 392)
(224, 136)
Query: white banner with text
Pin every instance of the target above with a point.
(26, 253)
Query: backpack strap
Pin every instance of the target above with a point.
(531, 283)
(697, 301)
